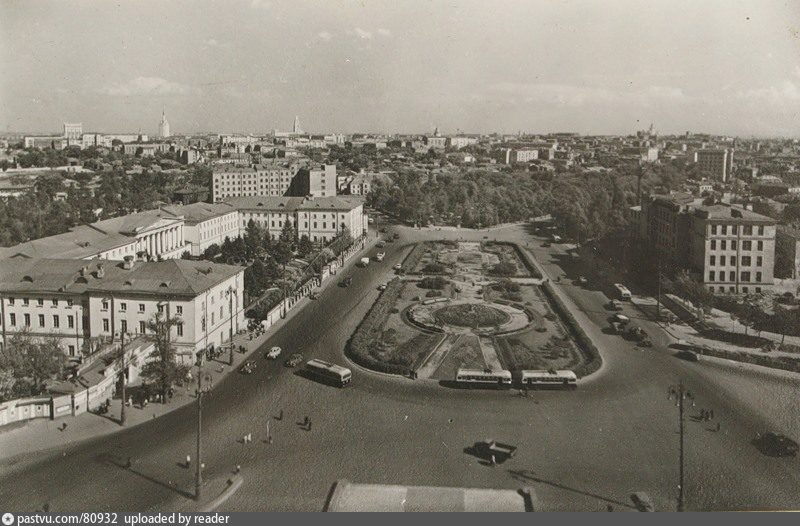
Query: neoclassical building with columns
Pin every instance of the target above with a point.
(149, 235)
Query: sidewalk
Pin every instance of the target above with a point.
(44, 434)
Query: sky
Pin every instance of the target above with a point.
(402, 66)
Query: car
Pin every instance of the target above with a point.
(313, 296)
(382, 287)
(248, 367)
(642, 501)
(273, 353)
(398, 267)
(379, 256)
(776, 445)
(614, 305)
(294, 360)
(380, 244)
(689, 356)
(582, 280)
(620, 318)
(547, 244)
(346, 282)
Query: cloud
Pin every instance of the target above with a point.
(786, 92)
(325, 35)
(361, 33)
(146, 86)
(382, 31)
(574, 95)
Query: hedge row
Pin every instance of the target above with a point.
(776, 362)
(370, 329)
(413, 258)
(523, 256)
(585, 344)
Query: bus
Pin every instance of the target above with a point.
(623, 291)
(549, 379)
(483, 378)
(329, 372)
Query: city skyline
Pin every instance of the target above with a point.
(348, 67)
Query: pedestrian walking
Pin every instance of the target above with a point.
(188, 460)
(493, 461)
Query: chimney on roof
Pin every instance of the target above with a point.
(101, 271)
(84, 270)
(127, 262)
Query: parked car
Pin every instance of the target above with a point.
(689, 356)
(614, 305)
(294, 360)
(489, 448)
(776, 445)
(398, 266)
(346, 281)
(380, 244)
(642, 501)
(273, 353)
(621, 318)
(382, 287)
(248, 367)
(313, 296)
(379, 256)
(582, 280)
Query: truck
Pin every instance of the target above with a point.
(492, 448)
(364, 261)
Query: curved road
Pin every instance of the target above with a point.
(580, 450)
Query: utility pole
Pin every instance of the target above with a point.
(124, 378)
(198, 479)
(231, 292)
(680, 395)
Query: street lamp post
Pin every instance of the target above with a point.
(198, 479)
(124, 364)
(680, 395)
(230, 293)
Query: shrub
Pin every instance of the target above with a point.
(504, 268)
(434, 268)
(432, 282)
(585, 344)
(432, 294)
(362, 345)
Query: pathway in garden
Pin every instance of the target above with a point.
(436, 357)
(490, 354)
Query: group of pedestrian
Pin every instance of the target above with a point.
(708, 414)
(246, 439)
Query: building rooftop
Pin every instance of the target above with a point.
(198, 212)
(727, 213)
(349, 497)
(290, 204)
(170, 277)
(81, 242)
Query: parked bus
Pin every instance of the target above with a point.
(623, 291)
(329, 372)
(549, 379)
(483, 378)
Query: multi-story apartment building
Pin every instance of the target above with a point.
(321, 218)
(715, 163)
(274, 180)
(78, 302)
(256, 180)
(461, 142)
(731, 249)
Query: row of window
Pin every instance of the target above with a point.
(747, 230)
(12, 320)
(746, 244)
(142, 329)
(745, 276)
(123, 307)
(746, 261)
(39, 302)
(721, 289)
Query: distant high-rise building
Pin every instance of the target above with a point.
(163, 126)
(715, 162)
(73, 131)
(296, 127)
